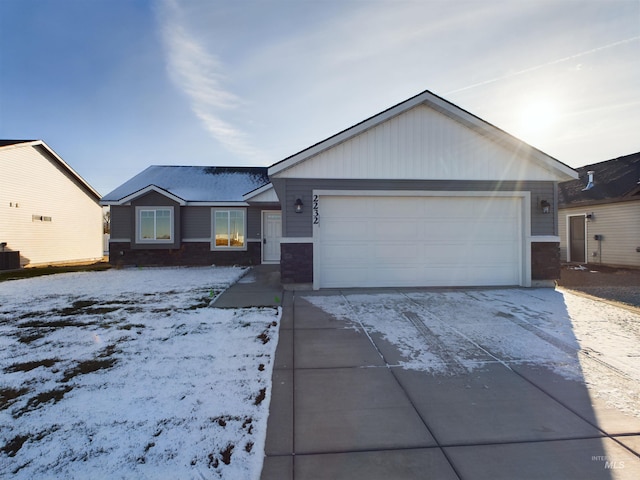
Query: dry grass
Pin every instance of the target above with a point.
(51, 270)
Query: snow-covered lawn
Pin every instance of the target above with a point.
(131, 374)
(454, 332)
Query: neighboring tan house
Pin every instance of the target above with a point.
(599, 214)
(194, 215)
(48, 212)
(422, 194)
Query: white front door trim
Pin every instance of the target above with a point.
(271, 236)
(525, 215)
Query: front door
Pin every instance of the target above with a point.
(271, 235)
(577, 247)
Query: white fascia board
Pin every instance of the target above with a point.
(423, 193)
(187, 204)
(266, 194)
(144, 191)
(217, 204)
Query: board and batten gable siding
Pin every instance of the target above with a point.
(421, 143)
(618, 223)
(300, 224)
(33, 185)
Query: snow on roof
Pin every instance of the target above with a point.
(195, 183)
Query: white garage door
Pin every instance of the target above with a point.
(381, 241)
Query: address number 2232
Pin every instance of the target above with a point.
(316, 213)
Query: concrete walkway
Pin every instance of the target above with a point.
(342, 408)
(259, 287)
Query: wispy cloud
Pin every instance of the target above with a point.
(547, 64)
(200, 75)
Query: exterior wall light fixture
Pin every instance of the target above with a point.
(546, 206)
(298, 205)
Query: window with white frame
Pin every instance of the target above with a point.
(229, 226)
(155, 224)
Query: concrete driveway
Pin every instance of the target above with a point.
(446, 384)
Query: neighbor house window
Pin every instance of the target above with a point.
(155, 224)
(229, 228)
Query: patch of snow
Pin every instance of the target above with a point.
(130, 374)
(457, 331)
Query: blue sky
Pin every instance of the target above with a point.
(116, 85)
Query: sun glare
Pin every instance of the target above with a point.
(538, 115)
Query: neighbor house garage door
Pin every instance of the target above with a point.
(383, 241)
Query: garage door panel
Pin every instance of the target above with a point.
(395, 253)
(342, 276)
(478, 275)
(508, 254)
(339, 230)
(394, 207)
(414, 241)
(445, 231)
(395, 230)
(400, 276)
(334, 206)
(443, 254)
(351, 253)
(494, 207)
(446, 207)
(488, 252)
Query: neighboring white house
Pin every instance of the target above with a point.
(48, 212)
(599, 214)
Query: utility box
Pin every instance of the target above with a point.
(9, 260)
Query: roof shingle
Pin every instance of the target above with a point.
(195, 183)
(614, 179)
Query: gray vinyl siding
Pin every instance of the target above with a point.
(196, 222)
(299, 224)
(543, 223)
(254, 223)
(619, 225)
(153, 199)
(120, 222)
